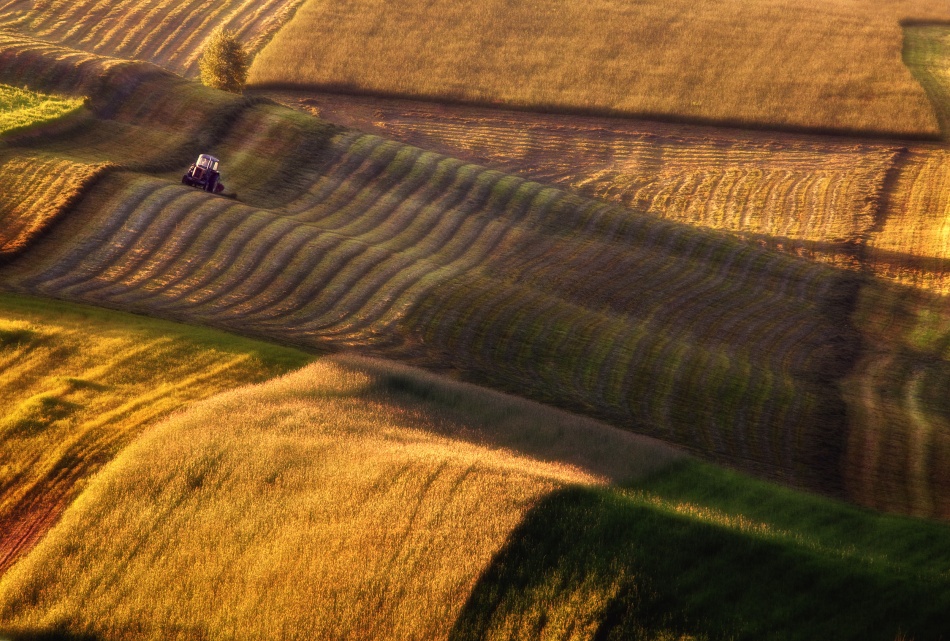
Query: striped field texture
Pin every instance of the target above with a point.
(342, 239)
(36, 190)
(812, 196)
(165, 32)
(679, 333)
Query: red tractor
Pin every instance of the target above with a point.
(204, 175)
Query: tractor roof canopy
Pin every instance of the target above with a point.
(207, 162)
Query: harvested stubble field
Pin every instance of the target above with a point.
(36, 191)
(813, 196)
(167, 32)
(348, 501)
(78, 384)
(741, 354)
(882, 207)
(831, 65)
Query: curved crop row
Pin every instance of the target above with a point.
(796, 193)
(36, 191)
(667, 329)
(170, 34)
(392, 244)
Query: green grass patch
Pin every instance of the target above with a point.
(927, 55)
(22, 108)
(698, 552)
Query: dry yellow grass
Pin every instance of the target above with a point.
(166, 32)
(350, 500)
(913, 246)
(834, 64)
(78, 384)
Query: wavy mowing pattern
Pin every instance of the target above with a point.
(792, 187)
(898, 403)
(170, 34)
(36, 191)
(913, 247)
(702, 340)
(26, 61)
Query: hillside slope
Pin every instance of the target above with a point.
(780, 64)
(343, 239)
(78, 384)
(355, 499)
(351, 499)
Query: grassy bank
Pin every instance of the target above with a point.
(22, 108)
(696, 552)
(77, 384)
(351, 499)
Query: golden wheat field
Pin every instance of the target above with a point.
(78, 384)
(352, 499)
(833, 65)
(165, 32)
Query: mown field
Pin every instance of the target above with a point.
(833, 65)
(361, 499)
(348, 501)
(876, 206)
(170, 34)
(78, 384)
(812, 196)
(740, 354)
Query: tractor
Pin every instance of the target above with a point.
(204, 175)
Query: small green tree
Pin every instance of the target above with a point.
(224, 62)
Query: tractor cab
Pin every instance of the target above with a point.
(204, 174)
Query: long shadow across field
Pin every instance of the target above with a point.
(695, 553)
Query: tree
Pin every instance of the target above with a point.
(224, 62)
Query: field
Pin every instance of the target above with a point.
(833, 65)
(740, 354)
(860, 204)
(807, 195)
(21, 108)
(167, 33)
(769, 299)
(347, 500)
(78, 384)
(404, 251)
